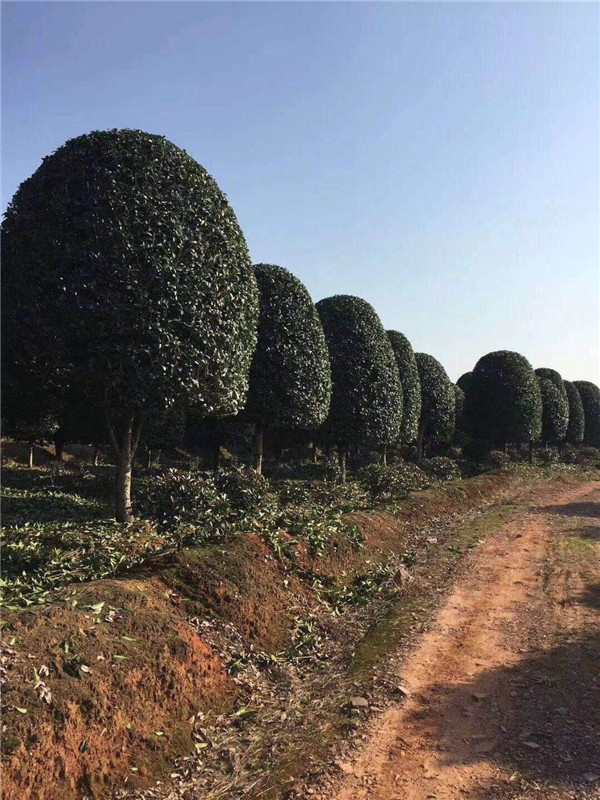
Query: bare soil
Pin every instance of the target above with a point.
(504, 690)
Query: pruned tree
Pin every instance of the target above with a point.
(590, 399)
(576, 426)
(125, 273)
(411, 386)
(436, 424)
(504, 400)
(464, 382)
(460, 422)
(366, 402)
(555, 411)
(290, 375)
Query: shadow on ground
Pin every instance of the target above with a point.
(541, 716)
(573, 510)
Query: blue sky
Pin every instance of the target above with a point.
(440, 160)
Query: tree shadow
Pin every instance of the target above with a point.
(591, 597)
(573, 510)
(540, 717)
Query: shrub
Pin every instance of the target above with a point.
(328, 469)
(393, 482)
(411, 386)
(189, 504)
(442, 468)
(290, 375)
(555, 411)
(590, 399)
(366, 403)
(247, 492)
(576, 426)
(436, 424)
(132, 282)
(504, 401)
(497, 459)
(546, 456)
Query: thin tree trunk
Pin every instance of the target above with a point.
(384, 455)
(125, 442)
(343, 457)
(531, 453)
(258, 448)
(148, 458)
(216, 456)
(59, 444)
(314, 454)
(30, 455)
(420, 438)
(95, 451)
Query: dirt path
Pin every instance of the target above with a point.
(504, 690)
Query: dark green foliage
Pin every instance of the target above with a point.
(392, 482)
(366, 403)
(441, 468)
(437, 401)
(327, 469)
(125, 270)
(460, 422)
(164, 430)
(464, 382)
(290, 376)
(590, 399)
(411, 386)
(504, 400)
(576, 418)
(547, 456)
(555, 410)
(126, 279)
(498, 459)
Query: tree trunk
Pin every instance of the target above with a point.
(59, 443)
(531, 453)
(384, 455)
(95, 451)
(343, 457)
(258, 448)
(505, 448)
(420, 438)
(124, 440)
(216, 456)
(30, 455)
(148, 458)
(123, 494)
(314, 454)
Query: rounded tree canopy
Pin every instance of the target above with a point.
(366, 402)
(590, 399)
(126, 272)
(576, 419)
(290, 376)
(411, 386)
(555, 411)
(505, 403)
(464, 382)
(437, 400)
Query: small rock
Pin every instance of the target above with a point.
(402, 690)
(532, 745)
(485, 746)
(431, 540)
(346, 768)
(477, 696)
(359, 702)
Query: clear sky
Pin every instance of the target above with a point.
(440, 160)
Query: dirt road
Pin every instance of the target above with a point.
(505, 689)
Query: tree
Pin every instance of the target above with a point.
(576, 418)
(27, 412)
(460, 424)
(590, 399)
(505, 403)
(436, 424)
(411, 386)
(290, 375)
(366, 401)
(555, 411)
(126, 274)
(464, 382)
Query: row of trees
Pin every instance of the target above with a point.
(130, 303)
